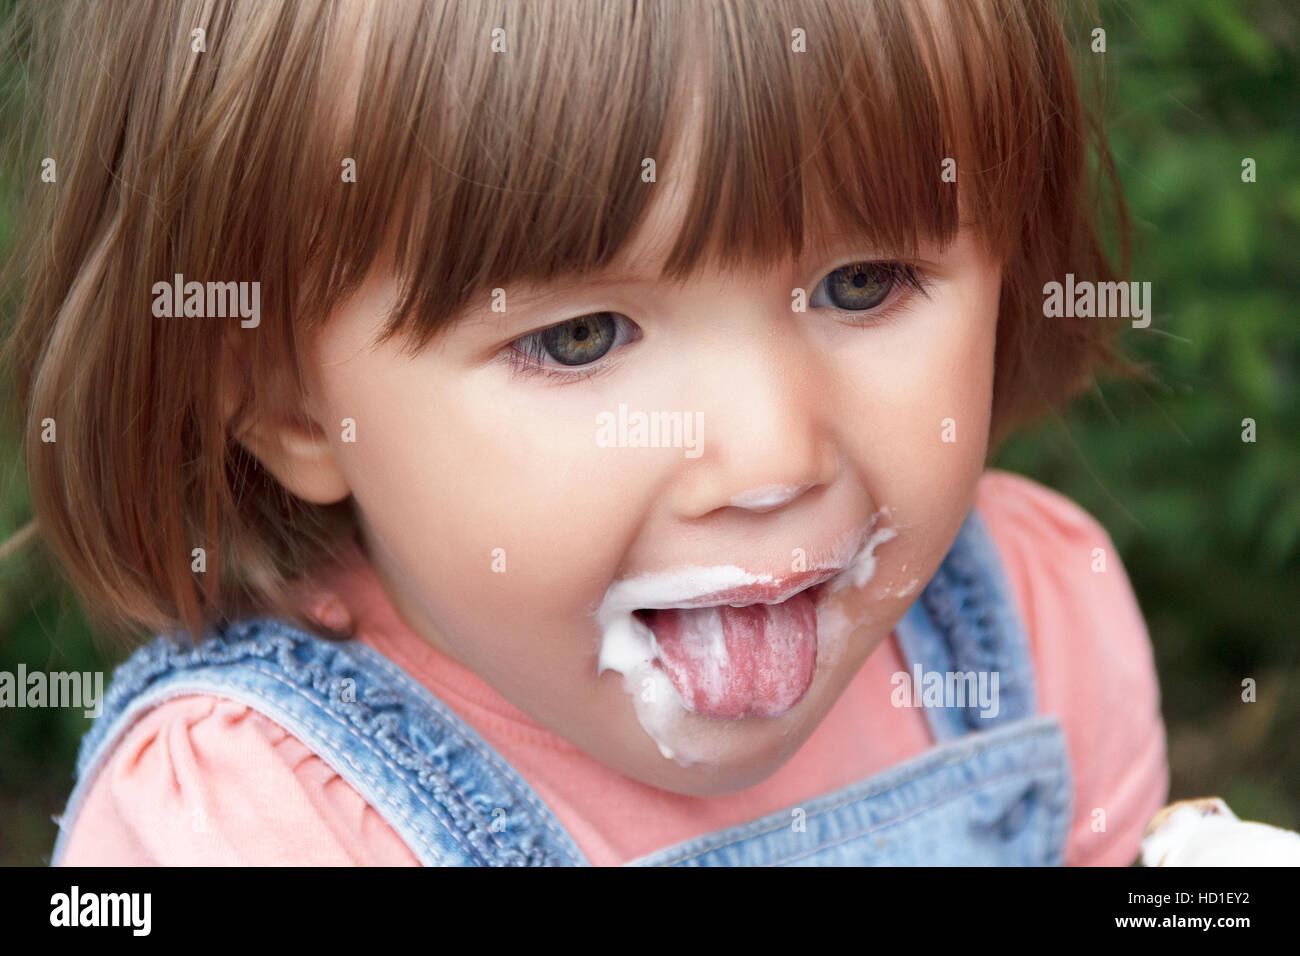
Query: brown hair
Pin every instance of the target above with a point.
(480, 169)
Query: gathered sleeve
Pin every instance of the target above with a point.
(202, 780)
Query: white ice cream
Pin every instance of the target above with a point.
(767, 497)
(1204, 832)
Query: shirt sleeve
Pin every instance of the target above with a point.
(205, 781)
(1094, 662)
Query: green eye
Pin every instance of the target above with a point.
(582, 340)
(576, 342)
(867, 286)
(863, 285)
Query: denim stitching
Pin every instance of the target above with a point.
(462, 739)
(545, 813)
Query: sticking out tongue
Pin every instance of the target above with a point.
(730, 662)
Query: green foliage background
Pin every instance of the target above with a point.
(1208, 526)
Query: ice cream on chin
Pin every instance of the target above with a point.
(725, 643)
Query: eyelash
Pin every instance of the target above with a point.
(906, 282)
(528, 360)
(524, 365)
(904, 277)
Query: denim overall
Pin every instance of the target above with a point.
(993, 790)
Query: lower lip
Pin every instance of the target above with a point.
(729, 663)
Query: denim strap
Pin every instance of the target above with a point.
(966, 621)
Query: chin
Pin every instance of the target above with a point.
(733, 773)
(726, 756)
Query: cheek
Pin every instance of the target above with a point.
(920, 399)
(497, 510)
(943, 389)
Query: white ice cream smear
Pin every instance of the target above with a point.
(769, 496)
(833, 626)
(863, 566)
(627, 645)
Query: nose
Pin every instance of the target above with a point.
(767, 440)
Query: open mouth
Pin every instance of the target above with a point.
(740, 657)
(732, 642)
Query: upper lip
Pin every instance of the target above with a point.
(700, 586)
(773, 591)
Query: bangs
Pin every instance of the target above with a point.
(526, 164)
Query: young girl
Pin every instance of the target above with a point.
(555, 433)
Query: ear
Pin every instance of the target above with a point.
(285, 438)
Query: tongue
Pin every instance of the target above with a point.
(730, 662)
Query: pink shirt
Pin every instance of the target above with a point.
(205, 780)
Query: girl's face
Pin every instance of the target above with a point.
(514, 483)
